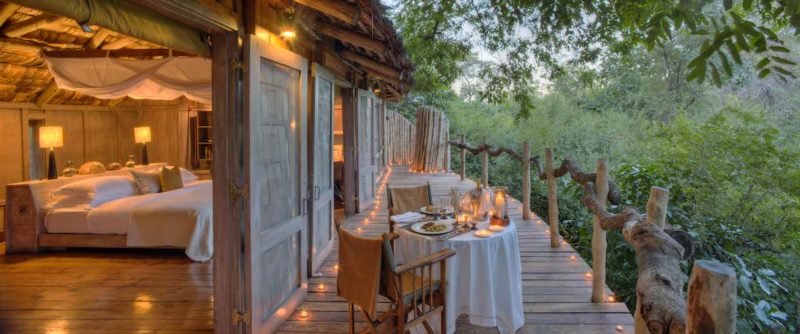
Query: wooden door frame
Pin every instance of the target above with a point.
(350, 155)
(317, 70)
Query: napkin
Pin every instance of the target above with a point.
(407, 217)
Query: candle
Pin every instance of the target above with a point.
(500, 204)
(303, 314)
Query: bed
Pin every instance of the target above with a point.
(180, 218)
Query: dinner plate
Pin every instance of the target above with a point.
(448, 223)
(483, 233)
(448, 210)
(497, 228)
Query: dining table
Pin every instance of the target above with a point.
(483, 279)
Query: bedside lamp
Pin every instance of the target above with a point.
(141, 135)
(51, 137)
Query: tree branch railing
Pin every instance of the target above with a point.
(661, 304)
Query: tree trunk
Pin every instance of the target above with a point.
(552, 197)
(526, 180)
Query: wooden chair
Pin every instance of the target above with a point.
(428, 200)
(409, 287)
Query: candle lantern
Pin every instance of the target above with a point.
(500, 202)
(477, 202)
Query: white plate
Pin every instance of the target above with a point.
(497, 228)
(486, 235)
(448, 210)
(448, 223)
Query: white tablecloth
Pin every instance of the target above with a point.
(484, 277)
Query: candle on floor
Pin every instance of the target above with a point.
(620, 328)
(321, 287)
(303, 314)
(336, 267)
(612, 299)
(588, 275)
(572, 257)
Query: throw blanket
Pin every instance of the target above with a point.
(178, 218)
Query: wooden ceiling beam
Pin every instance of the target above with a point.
(19, 46)
(352, 37)
(372, 64)
(124, 53)
(47, 94)
(119, 43)
(98, 38)
(8, 10)
(337, 9)
(33, 24)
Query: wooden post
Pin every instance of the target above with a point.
(485, 164)
(463, 159)
(599, 236)
(711, 306)
(552, 197)
(657, 215)
(526, 180)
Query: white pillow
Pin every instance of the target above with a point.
(91, 192)
(148, 182)
(187, 176)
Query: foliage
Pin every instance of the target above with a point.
(559, 35)
(730, 157)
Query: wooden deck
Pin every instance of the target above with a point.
(150, 291)
(121, 291)
(556, 295)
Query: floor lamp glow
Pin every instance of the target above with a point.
(51, 137)
(141, 135)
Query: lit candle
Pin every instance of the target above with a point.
(611, 298)
(336, 267)
(588, 275)
(619, 328)
(321, 287)
(572, 257)
(303, 314)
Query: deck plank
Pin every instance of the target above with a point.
(556, 293)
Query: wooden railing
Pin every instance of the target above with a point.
(661, 307)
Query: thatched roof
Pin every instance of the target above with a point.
(358, 34)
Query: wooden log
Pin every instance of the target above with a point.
(7, 11)
(376, 66)
(552, 198)
(712, 299)
(47, 94)
(526, 180)
(659, 286)
(340, 10)
(463, 157)
(599, 237)
(33, 24)
(485, 175)
(98, 38)
(119, 43)
(657, 206)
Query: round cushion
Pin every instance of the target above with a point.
(91, 167)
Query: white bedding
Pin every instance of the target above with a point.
(67, 221)
(177, 218)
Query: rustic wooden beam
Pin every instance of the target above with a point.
(339, 10)
(98, 38)
(19, 46)
(463, 157)
(352, 37)
(599, 236)
(372, 64)
(526, 180)
(115, 102)
(33, 24)
(124, 53)
(552, 197)
(7, 11)
(47, 94)
(119, 43)
(485, 164)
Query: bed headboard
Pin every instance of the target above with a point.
(25, 207)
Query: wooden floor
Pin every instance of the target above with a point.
(556, 295)
(87, 292)
(148, 291)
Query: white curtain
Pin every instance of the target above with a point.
(156, 79)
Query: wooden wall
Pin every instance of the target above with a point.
(399, 137)
(94, 133)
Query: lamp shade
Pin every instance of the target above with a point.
(51, 136)
(141, 134)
